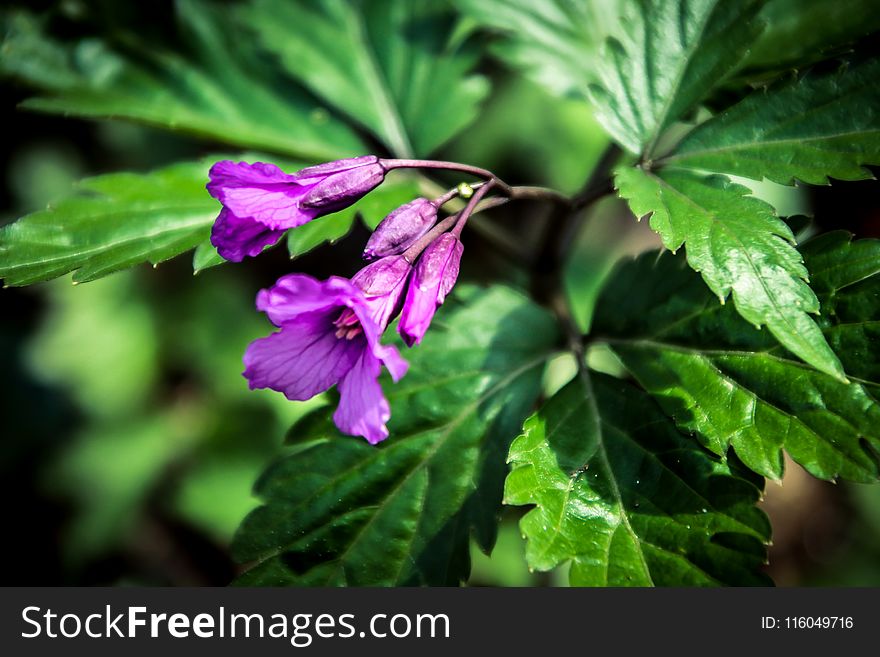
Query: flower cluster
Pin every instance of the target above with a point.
(329, 331)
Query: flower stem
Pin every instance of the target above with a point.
(538, 194)
(454, 221)
(443, 199)
(440, 201)
(390, 164)
(472, 204)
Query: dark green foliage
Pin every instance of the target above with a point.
(628, 499)
(648, 477)
(731, 385)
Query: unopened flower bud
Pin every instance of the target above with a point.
(401, 229)
(341, 183)
(383, 283)
(434, 276)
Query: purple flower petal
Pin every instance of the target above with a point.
(383, 283)
(434, 277)
(296, 294)
(327, 336)
(236, 238)
(226, 173)
(340, 190)
(392, 360)
(319, 171)
(419, 309)
(363, 409)
(302, 359)
(261, 192)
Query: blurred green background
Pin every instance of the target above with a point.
(130, 441)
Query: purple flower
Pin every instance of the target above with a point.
(330, 335)
(401, 228)
(260, 201)
(435, 274)
(383, 283)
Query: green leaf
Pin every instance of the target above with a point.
(205, 256)
(396, 67)
(718, 377)
(551, 40)
(115, 221)
(799, 32)
(372, 209)
(124, 219)
(219, 90)
(740, 247)
(339, 511)
(627, 499)
(823, 124)
(668, 57)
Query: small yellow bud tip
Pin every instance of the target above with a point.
(465, 190)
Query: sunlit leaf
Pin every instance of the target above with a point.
(396, 67)
(629, 500)
(124, 219)
(665, 60)
(551, 40)
(824, 124)
(740, 247)
(718, 377)
(113, 221)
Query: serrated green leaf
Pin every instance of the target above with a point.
(718, 377)
(550, 40)
(220, 90)
(124, 219)
(668, 57)
(821, 125)
(372, 209)
(395, 66)
(740, 247)
(627, 499)
(339, 511)
(115, 221)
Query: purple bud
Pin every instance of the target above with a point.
(336, 166)
(341, 183)
(401, 229)
(435, 273)
(260, 201)
(382, 283)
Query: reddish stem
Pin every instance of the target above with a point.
(469, 208)
(413, 251)
(390, 164)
